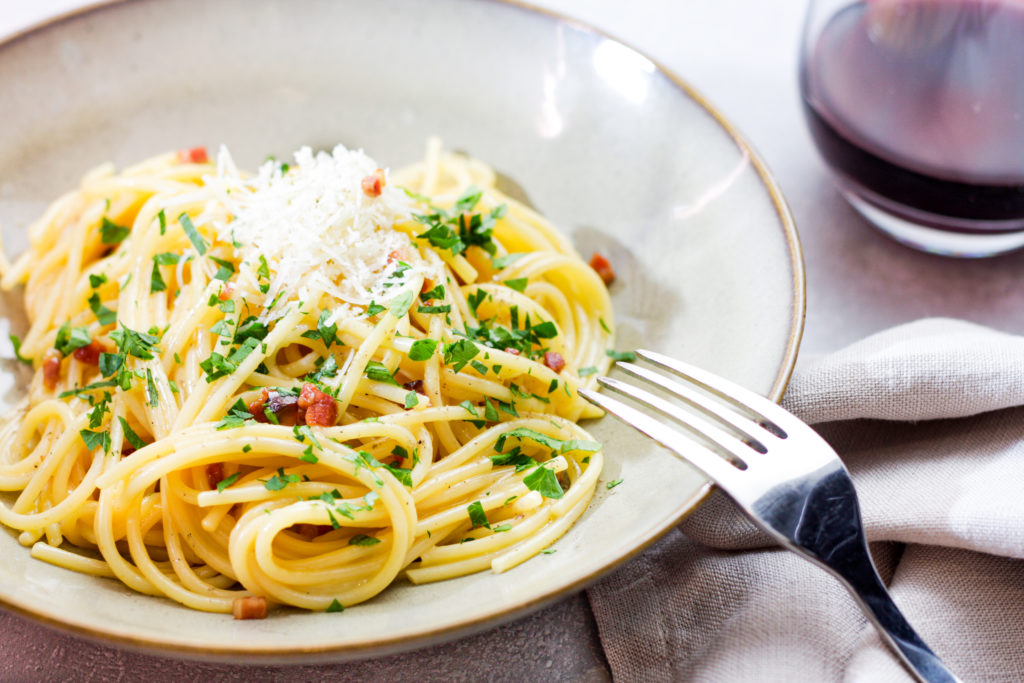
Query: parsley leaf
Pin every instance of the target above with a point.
(104, 315)
(621, 355)
(69, 338)
(193, 235)
(459, 353)
(435, 293)
(227, 481)
(613, 484)
(422, 349)
(379, 372)
(94, 440)
(411, 400)
(112, 233)
(132, 343)
(477, 515)
(505, 261)
(156, 282)
(129, 434)
(518, 284)
(225, 270)
(328, 333)
(280, 480)
(363, 539)
(544, 481)
(335, 606)
(401, 303)
(16, 341)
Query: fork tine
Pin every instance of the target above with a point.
(693, 422)
(744, 399)
(711, 464)
(747, 429)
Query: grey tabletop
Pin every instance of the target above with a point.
(742, 55)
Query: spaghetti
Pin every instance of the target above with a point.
(299, 385)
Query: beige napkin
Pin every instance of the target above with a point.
(943, 502)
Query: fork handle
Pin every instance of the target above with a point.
(858, 574)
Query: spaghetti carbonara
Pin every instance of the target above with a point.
(296, 386)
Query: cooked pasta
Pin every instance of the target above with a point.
(297, 386)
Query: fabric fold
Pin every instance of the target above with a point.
(924, 415)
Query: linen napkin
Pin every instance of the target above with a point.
(923, 416)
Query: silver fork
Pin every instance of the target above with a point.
(784, 476)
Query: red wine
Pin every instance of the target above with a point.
(919, 105)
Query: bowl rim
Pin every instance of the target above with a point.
(468, 626)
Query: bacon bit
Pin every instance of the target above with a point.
(415, 385)
(514, 351)
(374, 183)
(602, 267)
(321, 410)
(554, 360)
(285, 407)
(194, 155)
(257, 405)
(51, 368)
(225, 293)
(215, 474)
(90, 353)
(249, 607)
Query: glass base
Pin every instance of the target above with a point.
(945, 242)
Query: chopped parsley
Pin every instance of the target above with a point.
(328, 334)
(280, 480)
(156, 281)
(401, 303)
(129, 434)
(505, 261)
(435, 293)
(422, 349)
(544, 481)
(104, 315)
(444, 308)
(16, 342)
(68, 338)
(460, 229)
(227, 481)
(613, 484)
(193, 235)
(335, 606)
(225, 269)
(556, 445)
(94, 440)
(459, 353)
(112, 233)
(628, 356)
(518, 284)
(379, 372)
(237, 416)
(363, 539)
(477, 515)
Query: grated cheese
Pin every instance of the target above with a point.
(316, 226)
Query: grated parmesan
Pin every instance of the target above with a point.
(316, 227)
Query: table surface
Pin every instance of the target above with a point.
(742, 56)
